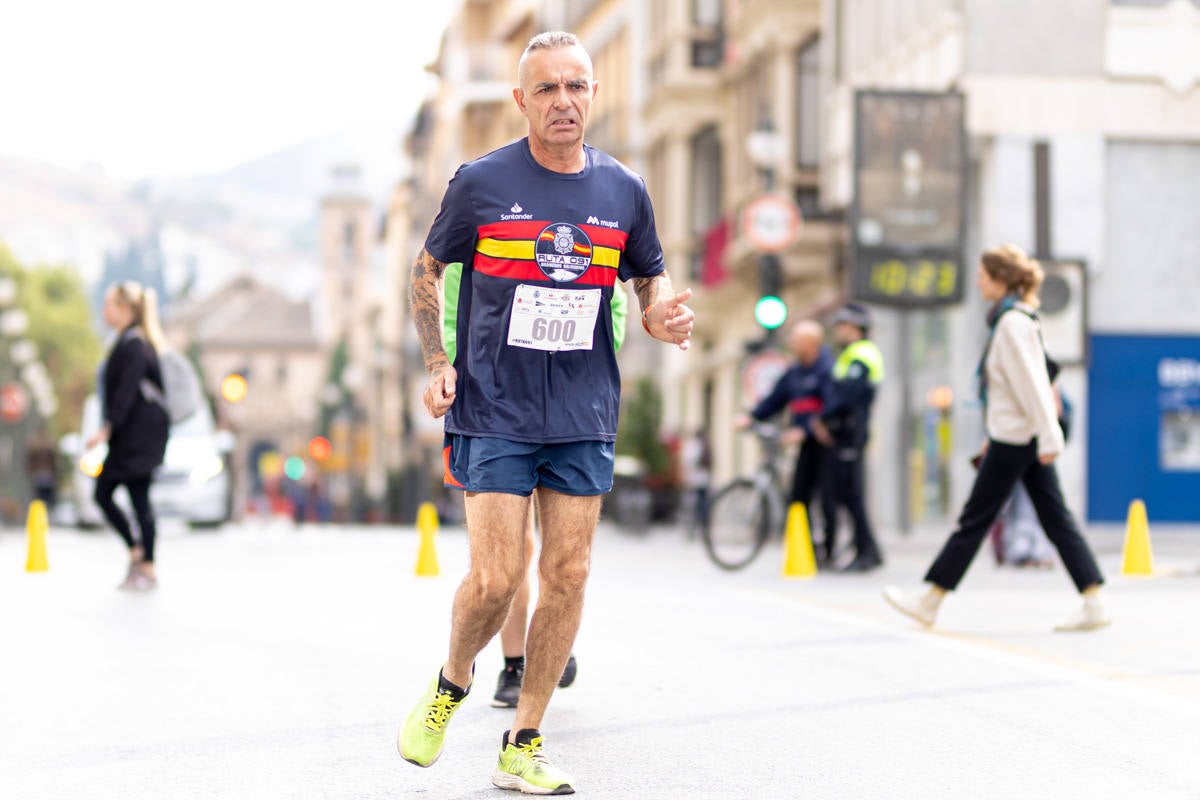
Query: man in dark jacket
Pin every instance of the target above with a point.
(802, 389)
(844, 424)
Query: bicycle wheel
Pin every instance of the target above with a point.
(632, 508)
(738, 521)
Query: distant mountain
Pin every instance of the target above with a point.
(285, 187)
(49, 214)
(259, 217)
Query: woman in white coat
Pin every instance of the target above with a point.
(1024, 438)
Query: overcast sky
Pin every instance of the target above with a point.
(169, 87)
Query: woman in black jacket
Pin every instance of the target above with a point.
(135, 422)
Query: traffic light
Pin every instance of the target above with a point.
(234, 387)
(770, 311)
(294, 467)
(319, 448)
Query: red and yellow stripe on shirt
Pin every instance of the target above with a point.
(506, 250)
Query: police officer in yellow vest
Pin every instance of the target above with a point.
(844, 426)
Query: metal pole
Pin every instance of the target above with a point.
(905, 421)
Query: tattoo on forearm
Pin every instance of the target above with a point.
(645, 288)
(425, 297)
(649, 290)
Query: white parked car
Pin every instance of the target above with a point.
(193, 483)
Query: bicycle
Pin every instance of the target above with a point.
(630, 504)
(746, 511)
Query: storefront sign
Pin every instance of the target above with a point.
(1143, 421)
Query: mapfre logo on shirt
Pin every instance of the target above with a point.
(563, 252)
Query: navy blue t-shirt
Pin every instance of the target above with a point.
(566, 239)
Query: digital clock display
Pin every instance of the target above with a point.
(908, 281)
(908, 213)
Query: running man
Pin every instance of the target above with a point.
(544, 227)
(512, 635)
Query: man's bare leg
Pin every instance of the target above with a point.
(496, 526)
(568, 525)
(512, 635)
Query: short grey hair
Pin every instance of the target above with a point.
(549, 40)
(546, 40)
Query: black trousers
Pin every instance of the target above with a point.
(813, 474)
(846, 485)
(1002, 467)
(139, 496)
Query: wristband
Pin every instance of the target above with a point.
(645, 323)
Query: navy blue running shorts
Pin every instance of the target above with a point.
(480, 464)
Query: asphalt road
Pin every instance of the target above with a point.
(278, 663)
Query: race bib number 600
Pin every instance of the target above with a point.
(553, 319)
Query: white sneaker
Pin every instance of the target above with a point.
(1089, 618)
(921, 607)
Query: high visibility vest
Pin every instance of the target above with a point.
(865, 352)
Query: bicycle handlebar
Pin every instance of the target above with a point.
(764, 430)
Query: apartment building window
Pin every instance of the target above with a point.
(659, 12)
(656, 172)
(808, 200)
(578, 11)
(706, 191)
(657, 69)
(348, 234)
(752, 109)
(708, 33)
(485, 62)
(808, 104)
(839, 40)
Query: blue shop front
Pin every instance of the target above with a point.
(1144, 427)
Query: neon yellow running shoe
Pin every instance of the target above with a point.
(524, 767)
(420, 740)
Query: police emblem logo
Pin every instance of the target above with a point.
(564, 242)
(563, 252)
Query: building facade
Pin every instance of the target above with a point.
(469, 112)
(1083, 149)
(248, 329)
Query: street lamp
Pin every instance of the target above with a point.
(766, 149)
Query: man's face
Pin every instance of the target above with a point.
(845, 333)
(556, 95)
(805, 347)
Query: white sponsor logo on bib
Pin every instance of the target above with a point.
(553, 319)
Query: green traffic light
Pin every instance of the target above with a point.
(770, 312)
(294, 468)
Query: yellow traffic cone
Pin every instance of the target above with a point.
(1137, 558)
(427, 524)
(36, 525)
(799, 561)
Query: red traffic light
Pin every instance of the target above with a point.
(319, 448)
